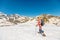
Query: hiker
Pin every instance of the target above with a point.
(40, 23)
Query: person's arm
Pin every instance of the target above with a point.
(36, 24)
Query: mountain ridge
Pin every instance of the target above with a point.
(16, 18)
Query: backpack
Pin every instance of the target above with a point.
(42, 22)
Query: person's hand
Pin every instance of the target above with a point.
(36, 25)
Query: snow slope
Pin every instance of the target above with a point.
(28, 31)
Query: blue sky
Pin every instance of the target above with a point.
(30, 7)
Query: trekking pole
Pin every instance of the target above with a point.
(35, 30)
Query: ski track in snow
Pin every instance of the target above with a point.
(28, 31)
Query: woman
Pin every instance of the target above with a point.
(40, 26)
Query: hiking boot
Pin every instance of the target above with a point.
(43, 34)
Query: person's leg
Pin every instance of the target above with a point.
(41, 31)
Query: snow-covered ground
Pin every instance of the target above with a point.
(28, 31)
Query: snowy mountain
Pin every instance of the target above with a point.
(12, 19)
(16, 19)
(51, 19)
(26, 29)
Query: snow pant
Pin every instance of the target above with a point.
(41, 31)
